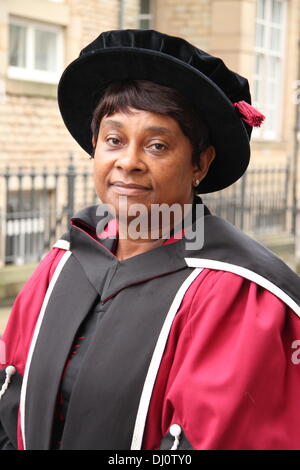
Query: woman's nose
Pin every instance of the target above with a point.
(130, 159)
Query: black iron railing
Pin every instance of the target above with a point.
(36, 205)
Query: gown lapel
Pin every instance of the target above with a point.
(67, 307)
(136, 297)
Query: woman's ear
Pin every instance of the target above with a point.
(205, 160)
(94, 142)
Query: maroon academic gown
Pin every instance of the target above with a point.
(206, 339)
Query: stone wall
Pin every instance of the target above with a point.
(31, 129)
(189, 19)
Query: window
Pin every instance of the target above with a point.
(145, 16)
(27, 226)
(269, 61)
(35, 51)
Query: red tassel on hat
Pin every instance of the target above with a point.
(252, 117)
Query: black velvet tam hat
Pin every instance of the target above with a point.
(220, 96)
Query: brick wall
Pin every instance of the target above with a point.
(31, 129)
(189, 19)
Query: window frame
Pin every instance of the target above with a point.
(29, 73)
(261, 134)
(147, 16)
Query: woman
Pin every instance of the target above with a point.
(127, 337)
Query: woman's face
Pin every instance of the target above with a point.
(149, 151)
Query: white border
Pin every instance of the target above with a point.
(55, 276)
(155, 362)
(247, 274)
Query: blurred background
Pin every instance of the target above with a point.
(44, 175)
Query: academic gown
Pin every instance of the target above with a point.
(207, 339)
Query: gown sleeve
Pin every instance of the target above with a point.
(230, 375)
(15, 343)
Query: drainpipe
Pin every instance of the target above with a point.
(121, 14)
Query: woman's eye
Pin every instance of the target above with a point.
(113, 141)
(158, 147)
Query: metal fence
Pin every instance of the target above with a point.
(258, 203)
(36, 205)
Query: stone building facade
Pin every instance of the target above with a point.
(256, 38)
(31, 130)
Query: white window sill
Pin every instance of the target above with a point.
(33, 76)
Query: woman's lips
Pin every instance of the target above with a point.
(128, 189)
